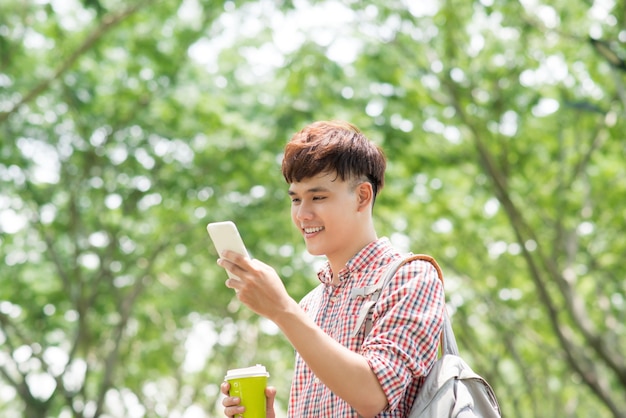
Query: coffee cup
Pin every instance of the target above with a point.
(248, 384)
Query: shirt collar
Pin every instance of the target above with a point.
(365, 256)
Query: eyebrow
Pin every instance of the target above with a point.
(317, 189)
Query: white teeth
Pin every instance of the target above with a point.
(313, 230)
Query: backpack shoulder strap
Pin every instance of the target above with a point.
(366, 313)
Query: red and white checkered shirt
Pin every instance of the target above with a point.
(402, 345)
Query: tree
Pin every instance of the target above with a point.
(111, 162)
(126, 127)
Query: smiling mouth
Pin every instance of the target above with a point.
(313, 230)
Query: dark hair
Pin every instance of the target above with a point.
(334, 146)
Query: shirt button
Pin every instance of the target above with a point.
(316, 380)
(333, 299)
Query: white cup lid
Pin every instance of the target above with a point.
(254, 371)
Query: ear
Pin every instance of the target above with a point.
(365, 195)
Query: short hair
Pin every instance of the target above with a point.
(334, 146)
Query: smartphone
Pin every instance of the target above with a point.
(225, 236)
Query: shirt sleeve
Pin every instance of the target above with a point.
(408, 319)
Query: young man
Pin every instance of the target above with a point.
(334, 174)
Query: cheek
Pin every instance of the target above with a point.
(294, 219)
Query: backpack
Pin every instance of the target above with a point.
(452, 388)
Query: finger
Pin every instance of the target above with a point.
(234, 284)
(234, 269)
(231, 411)
(224, 388)
(226, 264)
(231, 403)
(232, 255)
(270, 394)
(235, 259)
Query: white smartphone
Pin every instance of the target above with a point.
(225, 236)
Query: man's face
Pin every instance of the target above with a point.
(325, 210)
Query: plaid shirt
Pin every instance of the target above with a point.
(402, 345)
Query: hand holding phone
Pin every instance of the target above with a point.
(225, 236)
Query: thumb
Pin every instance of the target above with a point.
(270, 393)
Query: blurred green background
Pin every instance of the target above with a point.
(126, 126)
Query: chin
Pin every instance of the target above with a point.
(314, 251)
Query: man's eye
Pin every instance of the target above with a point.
(319, 197)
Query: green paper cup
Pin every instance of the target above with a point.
(248, 384)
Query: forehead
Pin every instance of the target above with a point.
(328, 181)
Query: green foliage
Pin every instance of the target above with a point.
(125, 127)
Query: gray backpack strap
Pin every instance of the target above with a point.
(366, 312)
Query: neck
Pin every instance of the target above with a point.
(339, 261)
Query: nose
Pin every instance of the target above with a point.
(302, 212)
